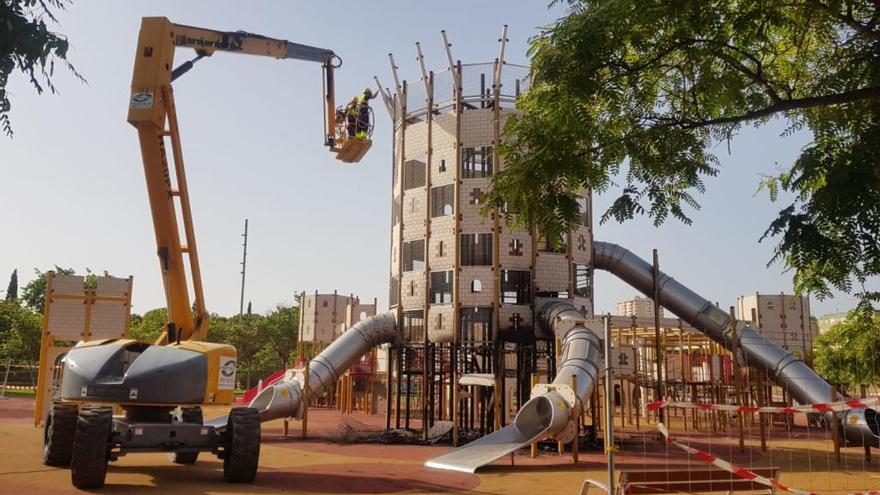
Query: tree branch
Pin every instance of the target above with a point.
(756, 77)
(793, 104)
(850, 21)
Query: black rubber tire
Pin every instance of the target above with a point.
(241, 454)
(187, 415)
(58, 434)
(88, 464)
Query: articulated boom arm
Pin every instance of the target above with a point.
(152, 112)
(208, 41)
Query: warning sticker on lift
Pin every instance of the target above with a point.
(141, 99)
(226, 380)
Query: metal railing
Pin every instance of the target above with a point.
(477, 89)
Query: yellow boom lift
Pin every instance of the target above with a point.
(162, 386)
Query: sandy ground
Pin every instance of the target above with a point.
(323, 465)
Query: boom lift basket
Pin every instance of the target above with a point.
(350, 149)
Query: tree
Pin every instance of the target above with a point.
(646, 90)
(12, 288)
(247, 334)
(27, 44)
(34, 293)
(20, 331)
(847, 353)
(281, 331)
(148, 327)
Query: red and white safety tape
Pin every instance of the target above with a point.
(730, 467)
(839, 406)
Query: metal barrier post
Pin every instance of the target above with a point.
(609, 406)
(306, 400)
(5, 379)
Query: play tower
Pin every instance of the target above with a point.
(463, 284)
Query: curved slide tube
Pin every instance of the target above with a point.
(549, 412)
(859, 426)
(554, 407)
(283, 399)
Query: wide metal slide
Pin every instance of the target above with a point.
(284, 398)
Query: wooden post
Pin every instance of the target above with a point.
(711, 388)
(343, 398)
(429, 163)
(737, 381)
(685, 366)
(456, 268)
(350, 394)
(497, 401)
(389, 355)
(306, 400)
(762, 401)
(496, 237)
(693, 388)
(397, 398)
(638, 389)
(659, 384)
(835, 428)
(577, 424)
(533, 451)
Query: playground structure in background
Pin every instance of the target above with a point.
(493, 328)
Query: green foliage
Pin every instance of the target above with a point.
(27, 44)
(847, 353)
(264, 342)
(20, 331)
(281, 331)
(149, 326)
(12, 288)
(34, 294)
(640, 92)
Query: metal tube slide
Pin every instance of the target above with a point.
(282, 400)
(554, 407)
(860, 427)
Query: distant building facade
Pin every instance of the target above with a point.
(784, 319)
(323, 317)
(827, 321)
(640, 307)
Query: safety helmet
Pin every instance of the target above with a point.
(368, 91)
(354, 99)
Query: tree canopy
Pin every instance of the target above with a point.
(34, 293)
(20, 331)
(28, 45)
(639, 93)
(12, 288)
(847, 353)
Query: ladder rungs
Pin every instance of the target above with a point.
(175, 192)
(184, 249)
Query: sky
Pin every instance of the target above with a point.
(74, 194)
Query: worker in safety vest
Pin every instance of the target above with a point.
(363, 119)
(351, 116)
